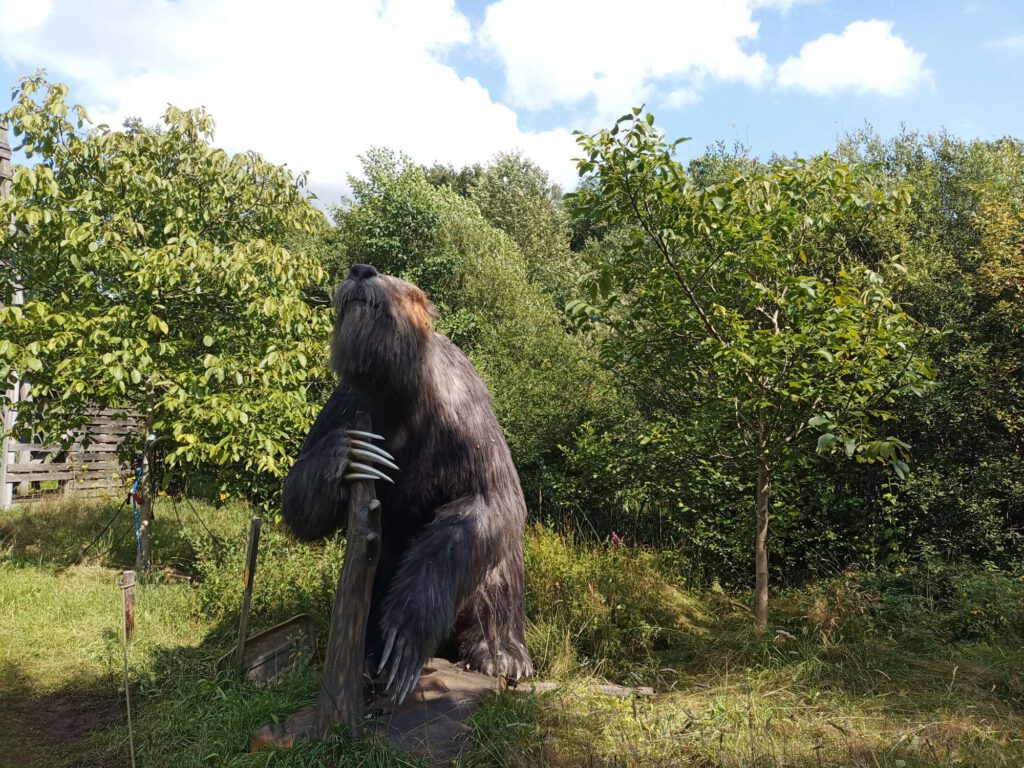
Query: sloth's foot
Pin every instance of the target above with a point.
(509, 659)
(365, 451)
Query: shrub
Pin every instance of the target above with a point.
(291, 578)
(934, 601)
(603, 606)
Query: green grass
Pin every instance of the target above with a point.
(924, 667)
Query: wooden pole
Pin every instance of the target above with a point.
(7, 414)
(341, 690)
(128, 601)
(249, 577)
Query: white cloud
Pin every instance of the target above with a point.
(681, 97)
(781, 5)
(309, 83)
(1011, 44)
(867, 58)
(22, 15)
(602, 57)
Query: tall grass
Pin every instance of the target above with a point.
(921, 666)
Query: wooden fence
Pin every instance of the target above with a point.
(30, 471)
(90, 466)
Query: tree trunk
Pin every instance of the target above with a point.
(763, 504)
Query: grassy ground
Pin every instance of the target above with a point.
(913, 668)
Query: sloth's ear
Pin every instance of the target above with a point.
(419, 308)
(431, 309)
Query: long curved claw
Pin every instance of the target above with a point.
(411, 678)
(373, 448)
(397, 663)
(368, 456)
(366, 469)
(361, 476)
(365, 435)
(388, 645)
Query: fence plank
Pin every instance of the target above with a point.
(31, 473)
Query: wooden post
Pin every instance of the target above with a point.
(341, 690)
(7, 413)
(24, 395)
(249, 577)
(128, 601)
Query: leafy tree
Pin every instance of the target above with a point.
(507, 323)
(517, 196)
(157, 280)
(743, 300)
(961, 240)
(460, 181)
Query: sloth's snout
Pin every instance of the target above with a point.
(361, 272)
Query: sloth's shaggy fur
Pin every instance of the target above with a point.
(450, 576)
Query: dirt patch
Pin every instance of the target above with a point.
(46, 729)
(431, 723)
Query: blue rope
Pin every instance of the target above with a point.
(135, 504)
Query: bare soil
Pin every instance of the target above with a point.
(47, 729)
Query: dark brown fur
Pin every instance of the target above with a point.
(451, 571)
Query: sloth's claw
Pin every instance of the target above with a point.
(359, 453)
(373, 448)
(365, 435)
(355, 468)
(361, 476)
(410, 682)
(387, 649)
(399, 654)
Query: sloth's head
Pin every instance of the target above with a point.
(382, 327)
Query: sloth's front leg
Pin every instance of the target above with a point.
(315, 497)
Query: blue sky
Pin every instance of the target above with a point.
(313, 83)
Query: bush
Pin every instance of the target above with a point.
(291, 578)
(937, 602)
(602, 606)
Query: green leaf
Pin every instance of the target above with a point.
(825, 442)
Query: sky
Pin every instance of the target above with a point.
(313, 83)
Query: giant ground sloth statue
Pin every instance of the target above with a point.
(450, 575)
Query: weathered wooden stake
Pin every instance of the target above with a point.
(128, 601)
(341, 690)
(250, 575)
